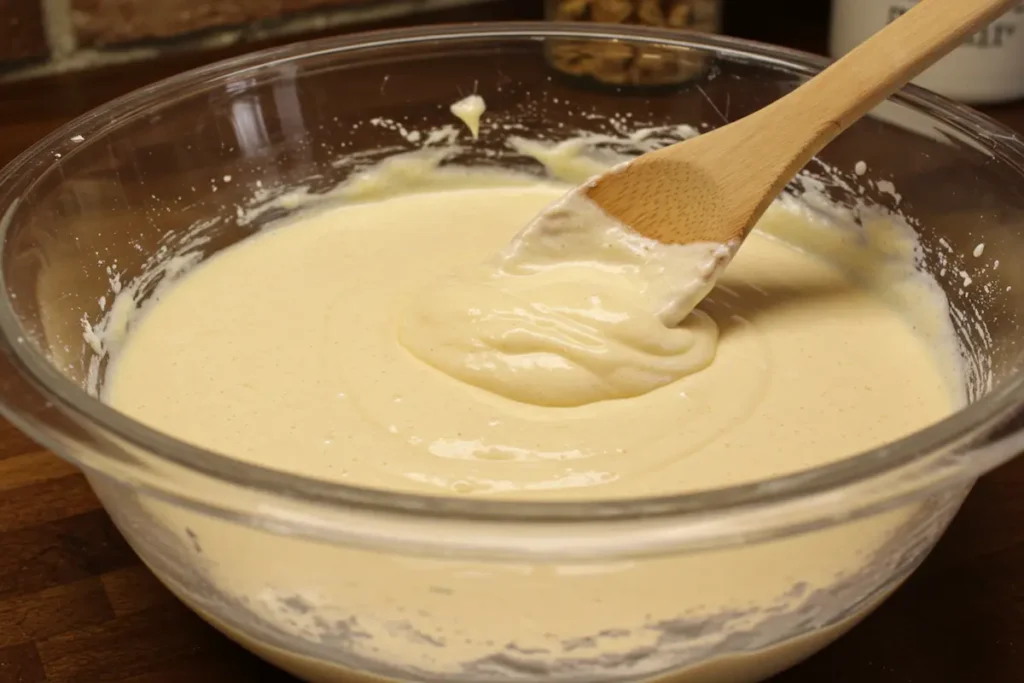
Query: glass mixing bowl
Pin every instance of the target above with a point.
(728, 585)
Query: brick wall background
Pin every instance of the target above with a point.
(22, 32)
(110, 22)
(44, 36)
(39, 37)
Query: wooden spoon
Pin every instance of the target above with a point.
(714, 187)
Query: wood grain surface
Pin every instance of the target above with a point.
(76, 604)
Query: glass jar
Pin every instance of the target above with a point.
(988, 68)
(621, 64)
(691, 15)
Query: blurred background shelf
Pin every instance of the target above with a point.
(44, 36)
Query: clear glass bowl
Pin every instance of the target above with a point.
(323, 578)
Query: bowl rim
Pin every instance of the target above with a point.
(814, 488)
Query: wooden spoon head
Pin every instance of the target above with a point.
(664, 199)
(701, 190)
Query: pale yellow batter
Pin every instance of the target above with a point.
(289, 343)
(577, 308)
(470, 110)
(300, 349)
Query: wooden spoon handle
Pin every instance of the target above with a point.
(834, 99)
(714, 187)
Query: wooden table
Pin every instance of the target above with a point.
(76, 605)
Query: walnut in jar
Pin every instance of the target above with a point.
(693, 15)
(621, 63)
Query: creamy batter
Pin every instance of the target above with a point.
(470, 110)
(290, 342)
(578, 308)
(303, 349)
